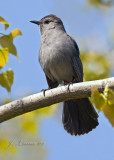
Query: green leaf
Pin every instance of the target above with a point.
(6, 41)
(3, 57)
(6, 79)
(3, 21)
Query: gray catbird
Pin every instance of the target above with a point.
(59, 58)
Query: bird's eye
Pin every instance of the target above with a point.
(46, 22)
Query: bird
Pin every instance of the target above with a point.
(59, 57)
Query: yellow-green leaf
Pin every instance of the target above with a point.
(95, 2)
(109, 95)
(108, 109)
(99, 2)
(3, 144)
(28, 123)
(95, 66)
(6, 79)
(7, 100)
(6, 147)
(15, 32)
(98, 99)
(105, 102)
(3, 57)
(3, 21)
(109, 112)
(47, 111)
(6, 41)
(29, 126)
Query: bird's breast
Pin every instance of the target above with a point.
(55, 60)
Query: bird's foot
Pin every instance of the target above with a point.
(44, 90)
(66, 83)
(68, 89)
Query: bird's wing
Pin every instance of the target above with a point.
(77, 64)
(78, 69)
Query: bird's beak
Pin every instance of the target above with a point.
(36, 22)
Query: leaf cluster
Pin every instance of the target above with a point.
(7, 47)
(104, 102)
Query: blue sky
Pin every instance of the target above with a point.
(92, 30)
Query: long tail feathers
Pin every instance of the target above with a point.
(79, 117)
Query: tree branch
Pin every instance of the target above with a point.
(56, 95)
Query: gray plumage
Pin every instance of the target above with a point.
(57, 53)
(59, 58)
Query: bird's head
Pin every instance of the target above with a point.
(49, 22)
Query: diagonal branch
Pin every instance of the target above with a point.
(56, 95)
